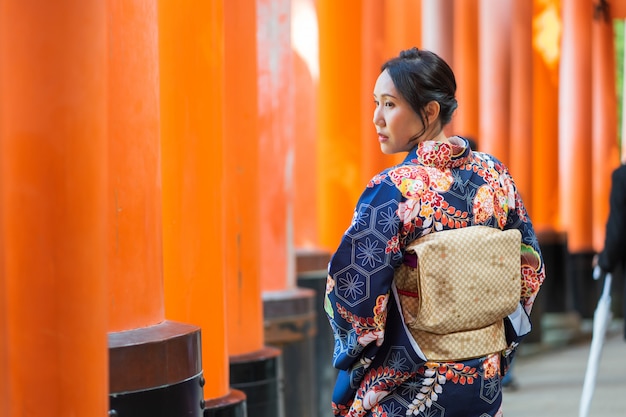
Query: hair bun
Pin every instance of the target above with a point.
(410, 53)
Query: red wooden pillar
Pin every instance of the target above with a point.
(495, 73)
(53, 202)
(135, 235)
(437, 24)
(241, 202)
(521, 120)
(437, 34)
(191, 60)
(339, 129)
(575, 123)
(306, 77)
(605, 147)
(155, 365)
(545, 133)
(465, 66)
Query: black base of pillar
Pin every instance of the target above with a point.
(184, 398)
(156, 371)
(585, 290)
(257, 375)
(325, 374)
(290, 326)
(232, 405)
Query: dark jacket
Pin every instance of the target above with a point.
(614, 252)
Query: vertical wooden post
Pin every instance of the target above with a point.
(575, 123)
(575, 132)
(495, 71)
(53, 159)
(134, 212)
(437, 22)
(465, 66)
(545, 133)
(521, 121)
(306, 78)
(288, 310)
(339, 129)
(154, 365)
(191, 57)
(605, 147)
(252, 366)
(276, 144)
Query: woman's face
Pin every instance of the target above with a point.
(395, 120)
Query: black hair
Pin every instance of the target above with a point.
(421, 77)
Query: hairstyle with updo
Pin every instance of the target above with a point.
(421, 77)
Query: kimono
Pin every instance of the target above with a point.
(382, 371)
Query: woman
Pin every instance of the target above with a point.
(442, 184)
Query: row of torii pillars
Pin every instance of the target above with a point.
(167, 170)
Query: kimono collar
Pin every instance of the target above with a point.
(441, 155)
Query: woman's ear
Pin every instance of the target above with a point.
(432, 110)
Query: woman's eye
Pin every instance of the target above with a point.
(388, 104)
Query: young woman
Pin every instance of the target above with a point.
(441, 185)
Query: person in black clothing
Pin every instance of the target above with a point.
(612, 258)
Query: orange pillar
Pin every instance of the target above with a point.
(465, 66)
(147, 371)
(135, 235)
(494, 79)
(191, 57)
(241, 161)
(521, 121)
(437, 23)
(339, 127)
(288, 310)
(53, 310)
(617, 9)
(545, 133)
(402, 30)
(306, 78)
(605, 147)
(276, 144)
(575, 124)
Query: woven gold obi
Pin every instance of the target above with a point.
(455, 288)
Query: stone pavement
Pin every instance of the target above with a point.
(550, 380)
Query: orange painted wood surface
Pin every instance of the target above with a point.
(575, 124)
(53, 200)
(306, 78)
(545, 104)
(437, 28)
(191, 57)
(494, 79)
(605, 147)
(277, 138)
(241, 218)
(617, 9)
(521, 118)
(134, 211)
(339, 113)
(465, 67)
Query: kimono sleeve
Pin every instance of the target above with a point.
(360, 275)
(532, 275)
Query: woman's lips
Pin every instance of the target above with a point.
(382, 138)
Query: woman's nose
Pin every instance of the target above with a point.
(378, 119)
